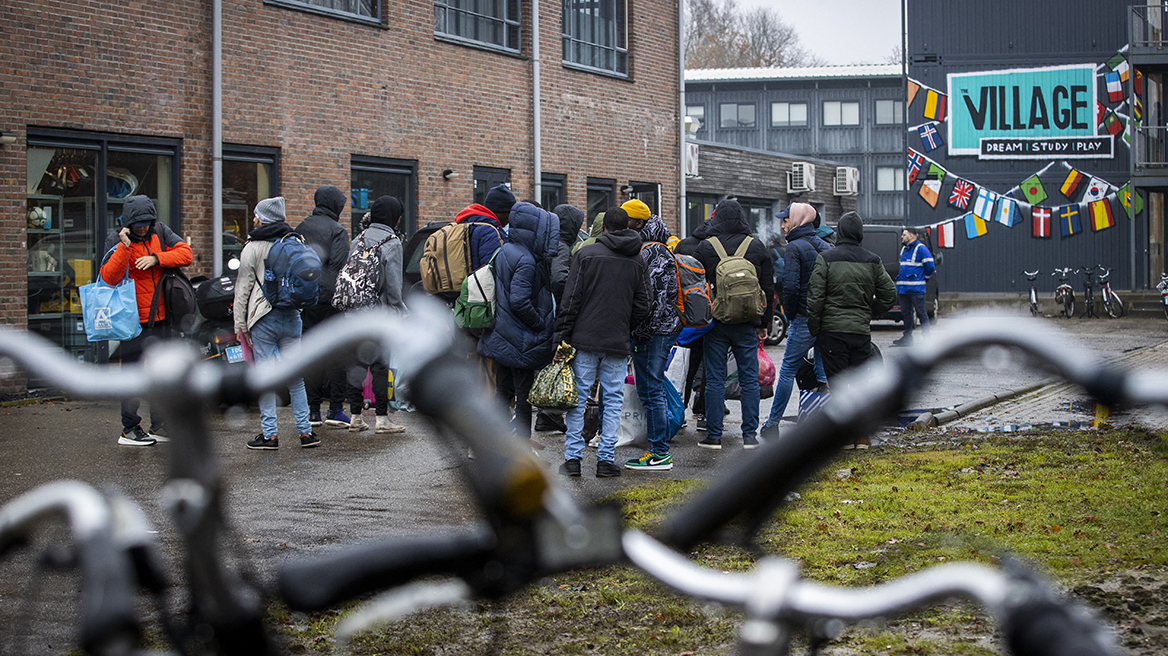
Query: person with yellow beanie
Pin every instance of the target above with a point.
(638, 213)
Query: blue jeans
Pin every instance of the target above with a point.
(910, 303)
(742, 340)
(799, 339)
(649, 360)
(610, 371)
(279, 329)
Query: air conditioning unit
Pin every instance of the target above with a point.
(691, 160)
(801, 177)
(847, 181)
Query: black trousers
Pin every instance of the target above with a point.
(328, 383)
(130, 351)
(515, 385)
(380, 373)
(842, 351)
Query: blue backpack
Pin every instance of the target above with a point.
(291, 274)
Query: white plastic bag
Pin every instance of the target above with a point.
(677, 367)
(634, 427)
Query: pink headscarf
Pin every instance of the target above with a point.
(801, 213)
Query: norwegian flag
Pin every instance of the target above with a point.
(962, 191)
(915, 162)
(1040, 221)
(945, 235)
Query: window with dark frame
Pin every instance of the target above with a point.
(551, 190)
(736, 115)
(889, 178)
(493, 23)
(596, 35)
(486, 177)
(250, 174)
(838, 113)
(601, 196)
(788, 114)
(366, 10)
(889, 112)
(374, 177)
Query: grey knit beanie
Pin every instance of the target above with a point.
(271, 210)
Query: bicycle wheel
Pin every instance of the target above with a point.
(1069, 304)
(1113, 305)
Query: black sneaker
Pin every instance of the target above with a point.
(606, 469)
(309, 439)
(159, 434)
(710, 443)
(261, 443)
(903, 341)
(769, 432)
(700, 420)
(549, 423)
(135, 437)
(571, 467)
(749, 442)
(314, 419)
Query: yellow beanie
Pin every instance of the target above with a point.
(636, 209)
(672, 242)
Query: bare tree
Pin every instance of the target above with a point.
(895, 56)
(719, 35)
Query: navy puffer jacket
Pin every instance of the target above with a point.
(802, 249)
(525, 313)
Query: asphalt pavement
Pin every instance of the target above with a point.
(359, 486)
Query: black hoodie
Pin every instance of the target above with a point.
(323, 232)
(729, 226)
(606, 296)
(571, 218)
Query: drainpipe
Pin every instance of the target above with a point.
(682, 206)
(536, 119)
(217, 138)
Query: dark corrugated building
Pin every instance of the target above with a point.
(1019, 125)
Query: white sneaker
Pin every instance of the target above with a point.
(357, 424)
(384, 425)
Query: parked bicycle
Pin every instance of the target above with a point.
(1031, 276)
(1112, 304)
(1163, 287)
(1064, 294)
(532, 528)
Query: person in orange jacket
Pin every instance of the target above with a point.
(140, 254)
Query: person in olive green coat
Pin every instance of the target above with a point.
(849, 287)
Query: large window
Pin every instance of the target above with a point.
(889, 112)
(889, 178)
(736, 115)
(788, 114)
(596, 35)
(366, 10)
(250, 174)
(486, 177)
(374, 177)
(836, 112)
(77, 183)
(494, 23)
(551, 190)
(648, 193)
(601, 196)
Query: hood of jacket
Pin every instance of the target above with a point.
(269, 231)
(729, 219)
(805, 230)
(851, 229)
(571, 218)
(654, 230)
(475, 210)
(329, 201)
(624, 242)
(138, 208)
(535, 229)
(597, 225)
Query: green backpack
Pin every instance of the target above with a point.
(737, 295)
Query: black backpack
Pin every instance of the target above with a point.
(176, 291)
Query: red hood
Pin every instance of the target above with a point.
(474, 210)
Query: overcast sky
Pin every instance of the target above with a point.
(841, 31)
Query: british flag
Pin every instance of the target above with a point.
(962, 191)
(915, 162)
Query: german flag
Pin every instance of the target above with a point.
(1071, 184)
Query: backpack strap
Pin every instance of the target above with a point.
(743, 246)
(718, 248)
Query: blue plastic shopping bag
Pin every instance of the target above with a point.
(675, 409)
(110, 312)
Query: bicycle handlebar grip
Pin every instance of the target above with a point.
(109, 621)
(317, 583)
(1047, 628)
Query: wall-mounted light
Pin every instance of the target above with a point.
(626, 189)
(7, 138)
(449, 174)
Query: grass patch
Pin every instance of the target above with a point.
(1083, 506)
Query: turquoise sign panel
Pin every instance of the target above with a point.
(1054, 104)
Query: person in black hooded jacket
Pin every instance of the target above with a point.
(323, 231)
(730, 227)
(570, 220)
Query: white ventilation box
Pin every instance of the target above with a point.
(801, 177)
(691, 160)
(847, 181)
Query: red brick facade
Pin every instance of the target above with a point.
(322, 89)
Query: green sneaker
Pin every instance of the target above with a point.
(651, 462)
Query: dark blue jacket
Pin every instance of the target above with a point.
(802, 249)
(486, 233)
(525, 312)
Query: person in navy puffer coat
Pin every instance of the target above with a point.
(520, 341)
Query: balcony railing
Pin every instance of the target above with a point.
(1151, 147)
(1147, 26)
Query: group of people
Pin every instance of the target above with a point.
(611, 297)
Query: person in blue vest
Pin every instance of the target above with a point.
(916, 266)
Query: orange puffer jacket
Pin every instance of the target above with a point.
(114, 269)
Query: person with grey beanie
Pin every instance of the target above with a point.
(384, 216)
(267, 328)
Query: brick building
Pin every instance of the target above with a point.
(424, 99)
